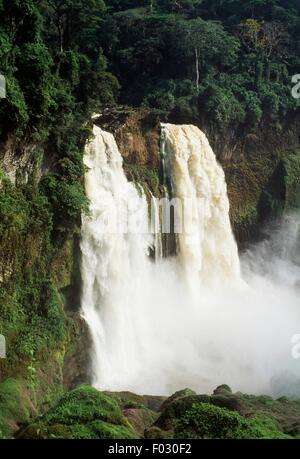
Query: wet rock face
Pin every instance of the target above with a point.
(137, 134)
(77, 362)
(253, 162)
(16, 161)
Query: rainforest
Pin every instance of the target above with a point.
(149, 219)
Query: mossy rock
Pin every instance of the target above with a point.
(206, 421)
(82, 413)
(227, 400)
(292, 181)
(281, 195)
(15, 406)
(84, 404)
(179, 394)
(177, 408)
(284, 411)
(140, 419)
(223, 389)
(155, 433)
(128, 400)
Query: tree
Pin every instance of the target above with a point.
(265, 39)
(75, 22)
(206, 43)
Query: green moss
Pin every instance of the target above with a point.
(102, 430)
(263, 426)
(83, 413)
(262, 187)
(14, 407)
(147, 178)
(127, 399)
(85, 404)
(34, 271)
(154, 433)
(207, 421)
(292, 181)
(175, 408)
(246, 179)
(32, 318)
(94, 430)
(176, 398)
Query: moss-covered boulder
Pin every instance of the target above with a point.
(177, 396)
(204, 420)
(140, 410)
(130, 400)
(82, 413)
(223, 389)
(15, 407)
(176, 408)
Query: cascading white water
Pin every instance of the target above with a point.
(208, 250)
(184, 321)
(113, 259)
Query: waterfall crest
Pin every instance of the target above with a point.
(161, 325)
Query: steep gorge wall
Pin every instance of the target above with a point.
(262, 172)
(39, 294)
(137, 134)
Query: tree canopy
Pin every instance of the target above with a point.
(66, 59)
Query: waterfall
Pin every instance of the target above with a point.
(189, 320)
(207, 248)
(114, 257)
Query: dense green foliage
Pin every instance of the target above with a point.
(83, 413)
(208, 421)
(56, 77)
(230, 61)
(13, 406)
